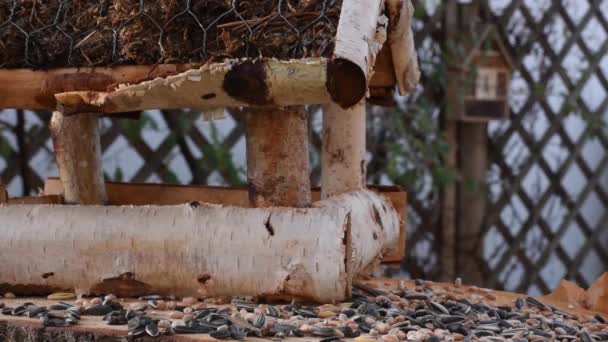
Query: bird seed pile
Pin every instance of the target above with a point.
(64, 33)
(418, 313)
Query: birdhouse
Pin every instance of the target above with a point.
(479, 86)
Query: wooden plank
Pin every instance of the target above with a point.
(384, 72)
(164, 194)
(3, 194)
(46, 199)
(93, 328)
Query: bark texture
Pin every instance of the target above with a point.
(361, 34)
(196, 249)
(78, 154)
(343, 151)
(473, 161)
(278, 169)
(235, 83)
(401, 42)
(3, 194)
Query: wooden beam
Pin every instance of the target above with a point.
(359, 38)
(473, 162)
(78, 155)
(36, 89)
(234, 83)
(201, 249)
(401, 43)
(343, 150)
(447, 236)
(165, 194)
(278, 169)
(3, 194)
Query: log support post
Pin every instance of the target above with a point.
(78, 154)
(473, 162)
(277, 157)
(343, 152)
(3, 194)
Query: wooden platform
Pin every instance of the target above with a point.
(95, 329)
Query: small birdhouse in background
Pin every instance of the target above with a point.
(479, 86)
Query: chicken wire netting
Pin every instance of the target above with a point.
(64, 33)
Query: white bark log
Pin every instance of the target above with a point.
(360, 36)
(343, 150)
(78, 155)
(277, 157)
(235, 83)
(185, 249)
(401, 41)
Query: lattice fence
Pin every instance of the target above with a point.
(548, 179)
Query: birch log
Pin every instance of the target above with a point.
(360, 35)
(234, 83)
(401, 42)
(277, 157)
(310, 253)
(78, 154)
(343, 150)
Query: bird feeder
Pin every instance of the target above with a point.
(480, 85)
(276, 238)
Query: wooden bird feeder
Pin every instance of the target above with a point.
(481, 82)
(279, 237)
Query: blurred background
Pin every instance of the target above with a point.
(545, 184)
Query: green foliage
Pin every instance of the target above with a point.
(416, 148)
(220, 157)
(133, 128)
(118, 175)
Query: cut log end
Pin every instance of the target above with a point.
(346, 82)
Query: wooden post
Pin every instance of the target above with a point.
(473, 166)
(343, 152)
(447, 264)
(78, 154)
(277, 157)
(3, 194)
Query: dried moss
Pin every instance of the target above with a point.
(61, 33)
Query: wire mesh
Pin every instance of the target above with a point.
(64, 33)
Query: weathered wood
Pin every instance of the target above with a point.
(78, 155)
(360, 36)
(260, 82)
(447, 255)
(310, 253)
(3, 194)
(401, 42)
(278, 169)
(36, 89)
(48, 199)
(343, 150)
(472, 198)
(23, 329)
(164, 194)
